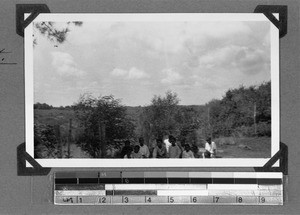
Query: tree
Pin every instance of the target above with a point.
(161, 116)
(45, 141)
(192, 122)
(240, 110)
(102, 116)
(264, 102)
(51, 31)
(42, 106)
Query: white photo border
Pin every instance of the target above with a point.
(153, 163)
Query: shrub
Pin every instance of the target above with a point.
(264, 129)
(244, 131)
(45, 142)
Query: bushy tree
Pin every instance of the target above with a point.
(160, 117)
(193, 124)
(166, 116)
(242, 109)
(102, 116)
(45, 142)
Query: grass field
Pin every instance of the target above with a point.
(53, 116)
(256, 147)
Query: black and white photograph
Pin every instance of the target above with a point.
(171, 90)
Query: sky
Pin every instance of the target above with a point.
(134, 61)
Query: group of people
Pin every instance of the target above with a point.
(162, 150)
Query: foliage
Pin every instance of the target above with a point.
(96, 112)
(160, 117)
(193, 124)
(45, 142)
(235, 113)
(42, 106)
(52, 32)
(230, 117)
(164, 116)
(264, 129)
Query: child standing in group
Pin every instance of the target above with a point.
(187, 153)
(128, 153)
(159, 151)
(144, 150)
(174, 150)
(195, 151)
(127, 148)
(136, 152)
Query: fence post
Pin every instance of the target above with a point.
(69, 139)
(102, 137)
(254, 119)
(58, 137)
(209, 124)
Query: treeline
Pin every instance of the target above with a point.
(104, 122)
(242, 112)
(245, 111)
(45, 106)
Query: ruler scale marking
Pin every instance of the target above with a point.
(219, 188)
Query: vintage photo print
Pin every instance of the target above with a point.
(152, 90)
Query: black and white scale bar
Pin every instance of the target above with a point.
(169, 177)
(224, 188)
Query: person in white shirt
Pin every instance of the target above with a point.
(144, 150)
(210, 149)
(167, 144)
